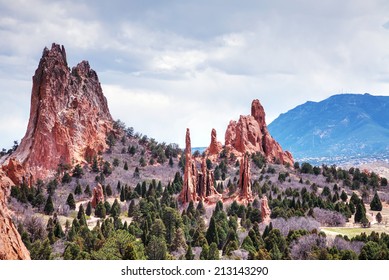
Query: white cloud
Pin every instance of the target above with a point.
(165, 67)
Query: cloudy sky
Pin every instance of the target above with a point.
(168, 65)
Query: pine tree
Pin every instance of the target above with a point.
(100, 210)
(125, 167)
(88, 210)
(108, 190)
(230, 247)
(376, 204)
(77, 171)
(262, 254)
(159, 189)
(171, 163)
(275, 253)
(107, 207)
(360, 213)
(70, 201)
(190, 210)
(213, 252)
(87, 191)
(58, 232)
(248, 245)
(179, 240)
(41, 250)
(156, 249)
(49, 207)
(67, 226)
(66, 178)
(343, 196)
(189, 254)
(201, 208)
(204, 252)
(212, 234)
(115, 209)
(354, 198)
(78, 190)
(76, 225)
(72, 234)
(130, 252)
(143, 189)
(107, 169)
(142, 162)
(95, 165)
(122, 195)
(80, 211)
(231, 237)
(115, 162)
(131, 208)
(131, 150)
(50, 226)
(136, 172)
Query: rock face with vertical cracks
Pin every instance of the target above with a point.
(244, 187)
(11, 245)
(250, 135)
(188, 192)
(69, 116)
(205, 183)
(197, 185)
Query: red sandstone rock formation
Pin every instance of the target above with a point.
(197, 185)
(250, 134)
(215, 147)
(265, 211)
(11, 245)
(205, 187)
(69, 116)
(244, 187)
(188, 192)
(15, 171)
(97, 196)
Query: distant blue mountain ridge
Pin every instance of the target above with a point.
(200, 149)
(341, 126)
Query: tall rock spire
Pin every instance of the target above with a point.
(245, 179)
(69, 115)
(215, 147)
(188, 192)
(197, 185)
